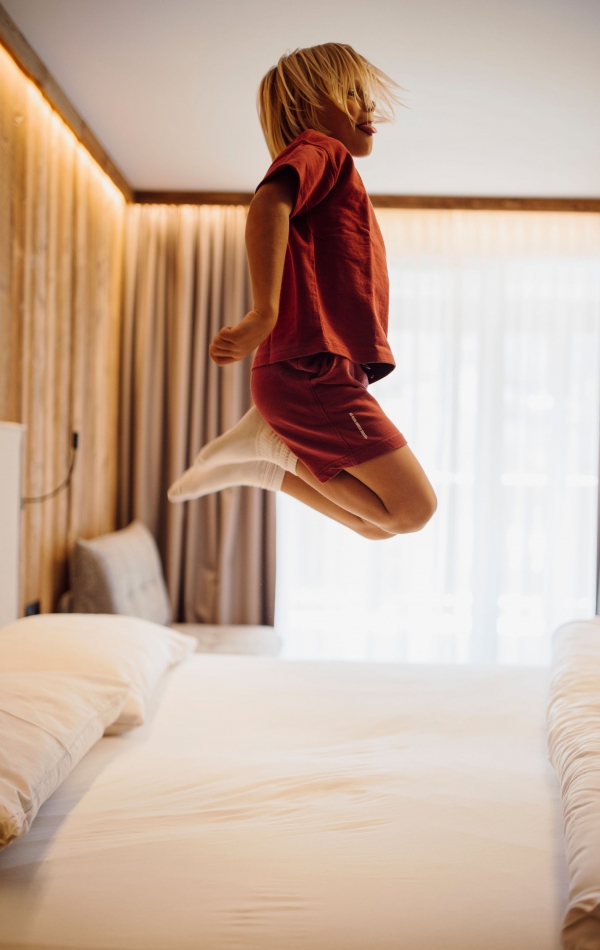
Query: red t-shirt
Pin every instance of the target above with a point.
(334, 294)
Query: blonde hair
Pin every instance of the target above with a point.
(289, 96)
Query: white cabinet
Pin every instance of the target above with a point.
(11, 440)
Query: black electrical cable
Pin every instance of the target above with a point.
(59, 488)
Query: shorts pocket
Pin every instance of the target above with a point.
(316, 365)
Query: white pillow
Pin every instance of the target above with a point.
(128, 649)
(47, 724)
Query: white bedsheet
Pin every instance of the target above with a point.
(271, 806)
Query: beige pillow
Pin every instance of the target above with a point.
(48, 721)
(128, 649)
(120, 573)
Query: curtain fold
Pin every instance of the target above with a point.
(185, 277)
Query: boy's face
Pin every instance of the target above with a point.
(356, 135)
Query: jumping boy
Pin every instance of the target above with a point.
(320, 293)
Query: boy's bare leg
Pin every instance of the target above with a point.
(300, 489)
(391, 492)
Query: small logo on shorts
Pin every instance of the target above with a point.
(358, 425)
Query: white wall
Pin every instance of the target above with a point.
(503, 94)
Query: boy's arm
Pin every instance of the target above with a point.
(267, 231)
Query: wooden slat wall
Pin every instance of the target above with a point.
(61, 234)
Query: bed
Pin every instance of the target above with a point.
(280, 805)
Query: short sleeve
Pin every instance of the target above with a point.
(317, 174)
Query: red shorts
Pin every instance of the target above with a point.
(319, 406)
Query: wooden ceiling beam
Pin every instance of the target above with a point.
(193, 197)
(450, 202)
(468, 203)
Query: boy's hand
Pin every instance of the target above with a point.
(234, 343)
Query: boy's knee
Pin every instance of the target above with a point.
(408, 521)
(423, 515)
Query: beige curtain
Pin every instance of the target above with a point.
(185, 277)
(61, 230)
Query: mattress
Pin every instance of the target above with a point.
(279, 805)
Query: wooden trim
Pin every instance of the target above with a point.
(485, 204)
(193, 197)
(28, 60)
(450, 202)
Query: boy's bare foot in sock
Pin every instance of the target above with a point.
(251, 439)
(201, 480)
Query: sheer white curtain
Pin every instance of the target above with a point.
(495, 325)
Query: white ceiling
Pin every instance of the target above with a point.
(504, 95)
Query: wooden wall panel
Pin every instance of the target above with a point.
(61, 237)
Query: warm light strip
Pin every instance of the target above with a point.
(11, 73)
(29, 63)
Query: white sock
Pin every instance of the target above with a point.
(201, 479)
(250, 439)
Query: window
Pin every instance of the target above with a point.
(495, 325)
